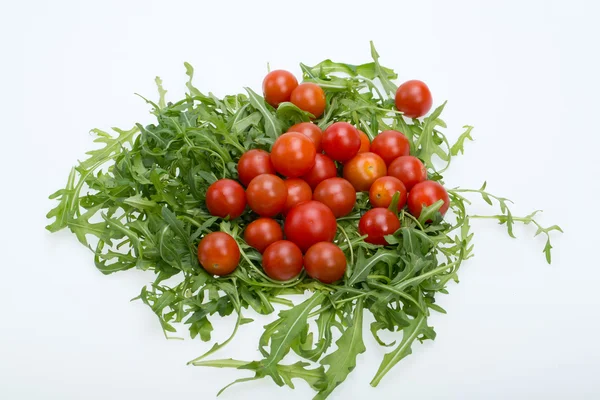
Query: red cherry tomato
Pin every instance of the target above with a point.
(365, 143)
(311, 130)
(390, 145)
(225, 198)
(278, 86)
(298, 192)
(262, 232)
(309, 97)
(377, 223)
(341, 141)
(267, 195)
(410, 170)
(425, 194)
(383, 189)
(309, 223)
(218, 253)
(253, 163)
(282, 260)
(325, 262)
(293, 154)
(413, 98)
(338, 194)
(324, 168)
(363, 170)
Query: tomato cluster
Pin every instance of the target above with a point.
(298, 180)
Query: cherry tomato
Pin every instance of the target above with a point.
(390, 145)
(293, 154)
(309, 97)
(413, 98)
(262, 232)
(365, 143)
(298, 192)
(225, 198)
(363, 170)
(278, 86)
(324, 168)
(253, 163)
(338, 194)
(410, 170)
(218, 253)
(325, 262)
(341, 141)
(282, 260)
(425, 194)
(383, 189)
(309, 223)
(267, 195)
(376, 223)
(311, 130)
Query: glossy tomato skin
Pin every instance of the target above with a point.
(267, 195)
(324, 168)
(253, 163)
(298, 192)
(384, 188)
(282, 260)
(413, 98)
(390, 145)
(325, 262)
(262, 232)
(278, 86)
(293, 154)
(309, 223)
(309, 97)
(311, 130)
(365, 143)
(336, 193)
(218, 253)
(363, 170)
(410, 170)
(426, 193)
(377, 223)
(341, 141)
(225, 198)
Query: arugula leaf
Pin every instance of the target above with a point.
(458, 147)
(342, 361)
(427, 144)
(282, 333)
(364, 265)
(418, 327)
(272, 124)
(382, 74)
(112, 147)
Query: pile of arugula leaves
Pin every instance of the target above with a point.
(138, 202)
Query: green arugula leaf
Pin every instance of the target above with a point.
(382, 74)
(342, 361)
(418, 327)
(282, 333)
(364, 265)
(272, 125)
(458, 147)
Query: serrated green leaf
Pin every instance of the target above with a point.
(417, 327)
(459, 146)
(282, 333)
(342, 361)
(271, 123)
(364, 265)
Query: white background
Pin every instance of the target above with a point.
(524, 73)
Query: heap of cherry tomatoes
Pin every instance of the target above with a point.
(312, 195)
